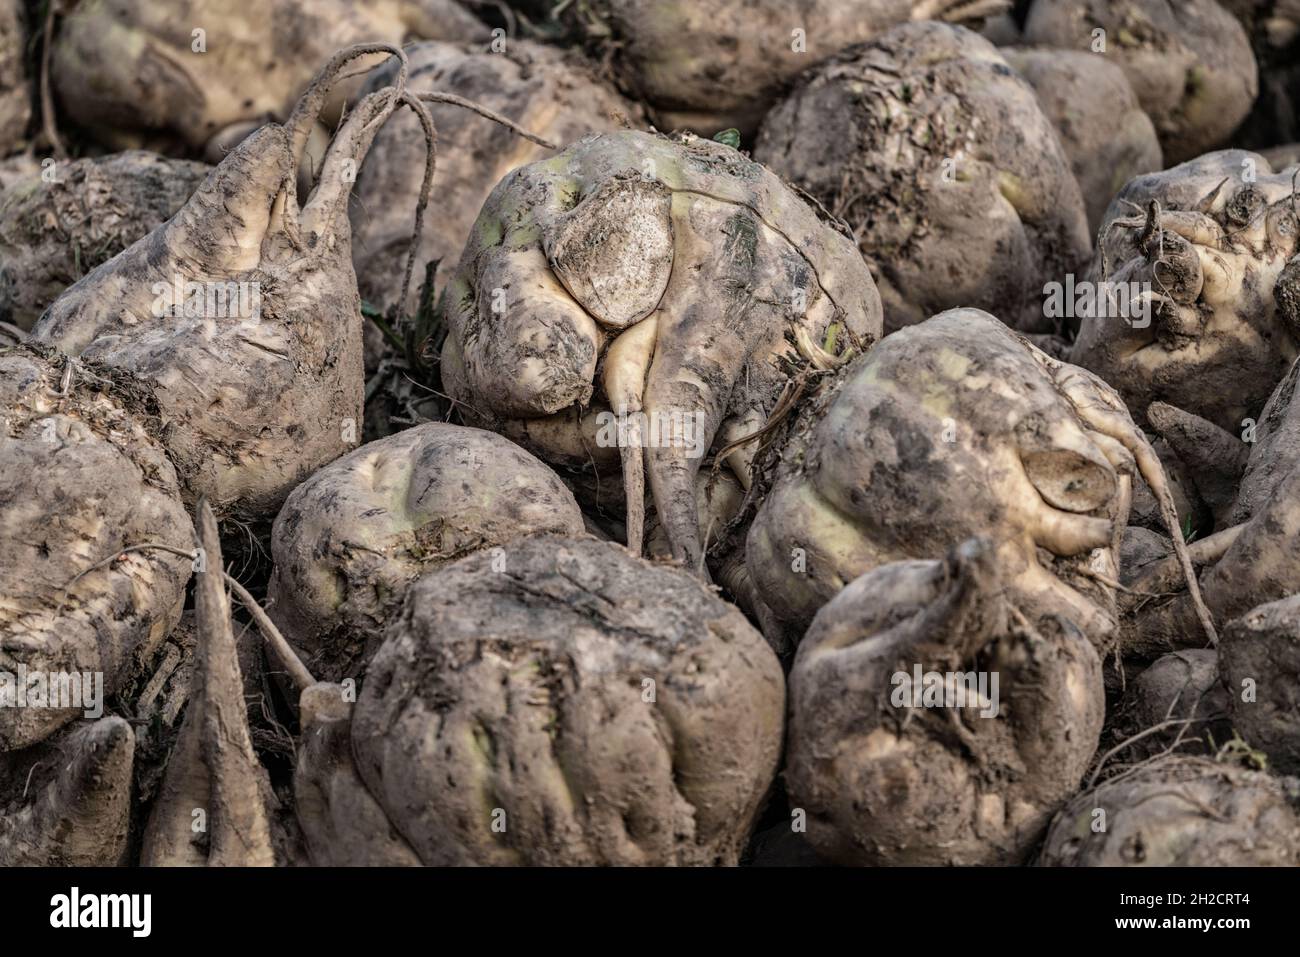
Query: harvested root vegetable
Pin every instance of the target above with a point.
(1106, 136)
(338, 822)
(710, 66)
(544, 90)
(891, 774)
(342, 824)
(1208, 253)
(1274, 30)
(351, 538)
(1190, 62)
(948, 430)
(1259, 660)
(1004, 29)
(54, 232)
(1212, 460)
(1140, 548)
(212, 768)
(724, 510)
(1188, 505)
(1179, 812)
(942, 161)
(195, 69)
(241, 312)
(637, 296)
(1244, 565)
(84, 484)
(15, 91)
(15, 168)
(1177, 701)
(67, 802)
(1274, 452)
(568, 703)
(1249, 561)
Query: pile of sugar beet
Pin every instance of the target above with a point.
(619, 432)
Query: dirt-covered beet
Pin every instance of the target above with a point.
(15, 168)
(66, 802)
(1249, 559)
(241, 312)
(889, 773)
(952, 429)
(212, 766)
(351, 538)
(342, 823)
(577, 508)
(713, 64)
(54, 231)
(142, 74)
(943, 162)
(1178, 699)
(15, 90)
(1205, 245)
(1207, 461)
(1108, 138)
(82, 478)
(1276, 36)
(1274, 30)
(1259, 660)
(1243, 567)
(546, 91)
(1189, 61)
(568, 703)
(1273, 451)
(1179, 811)
(637, 297)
